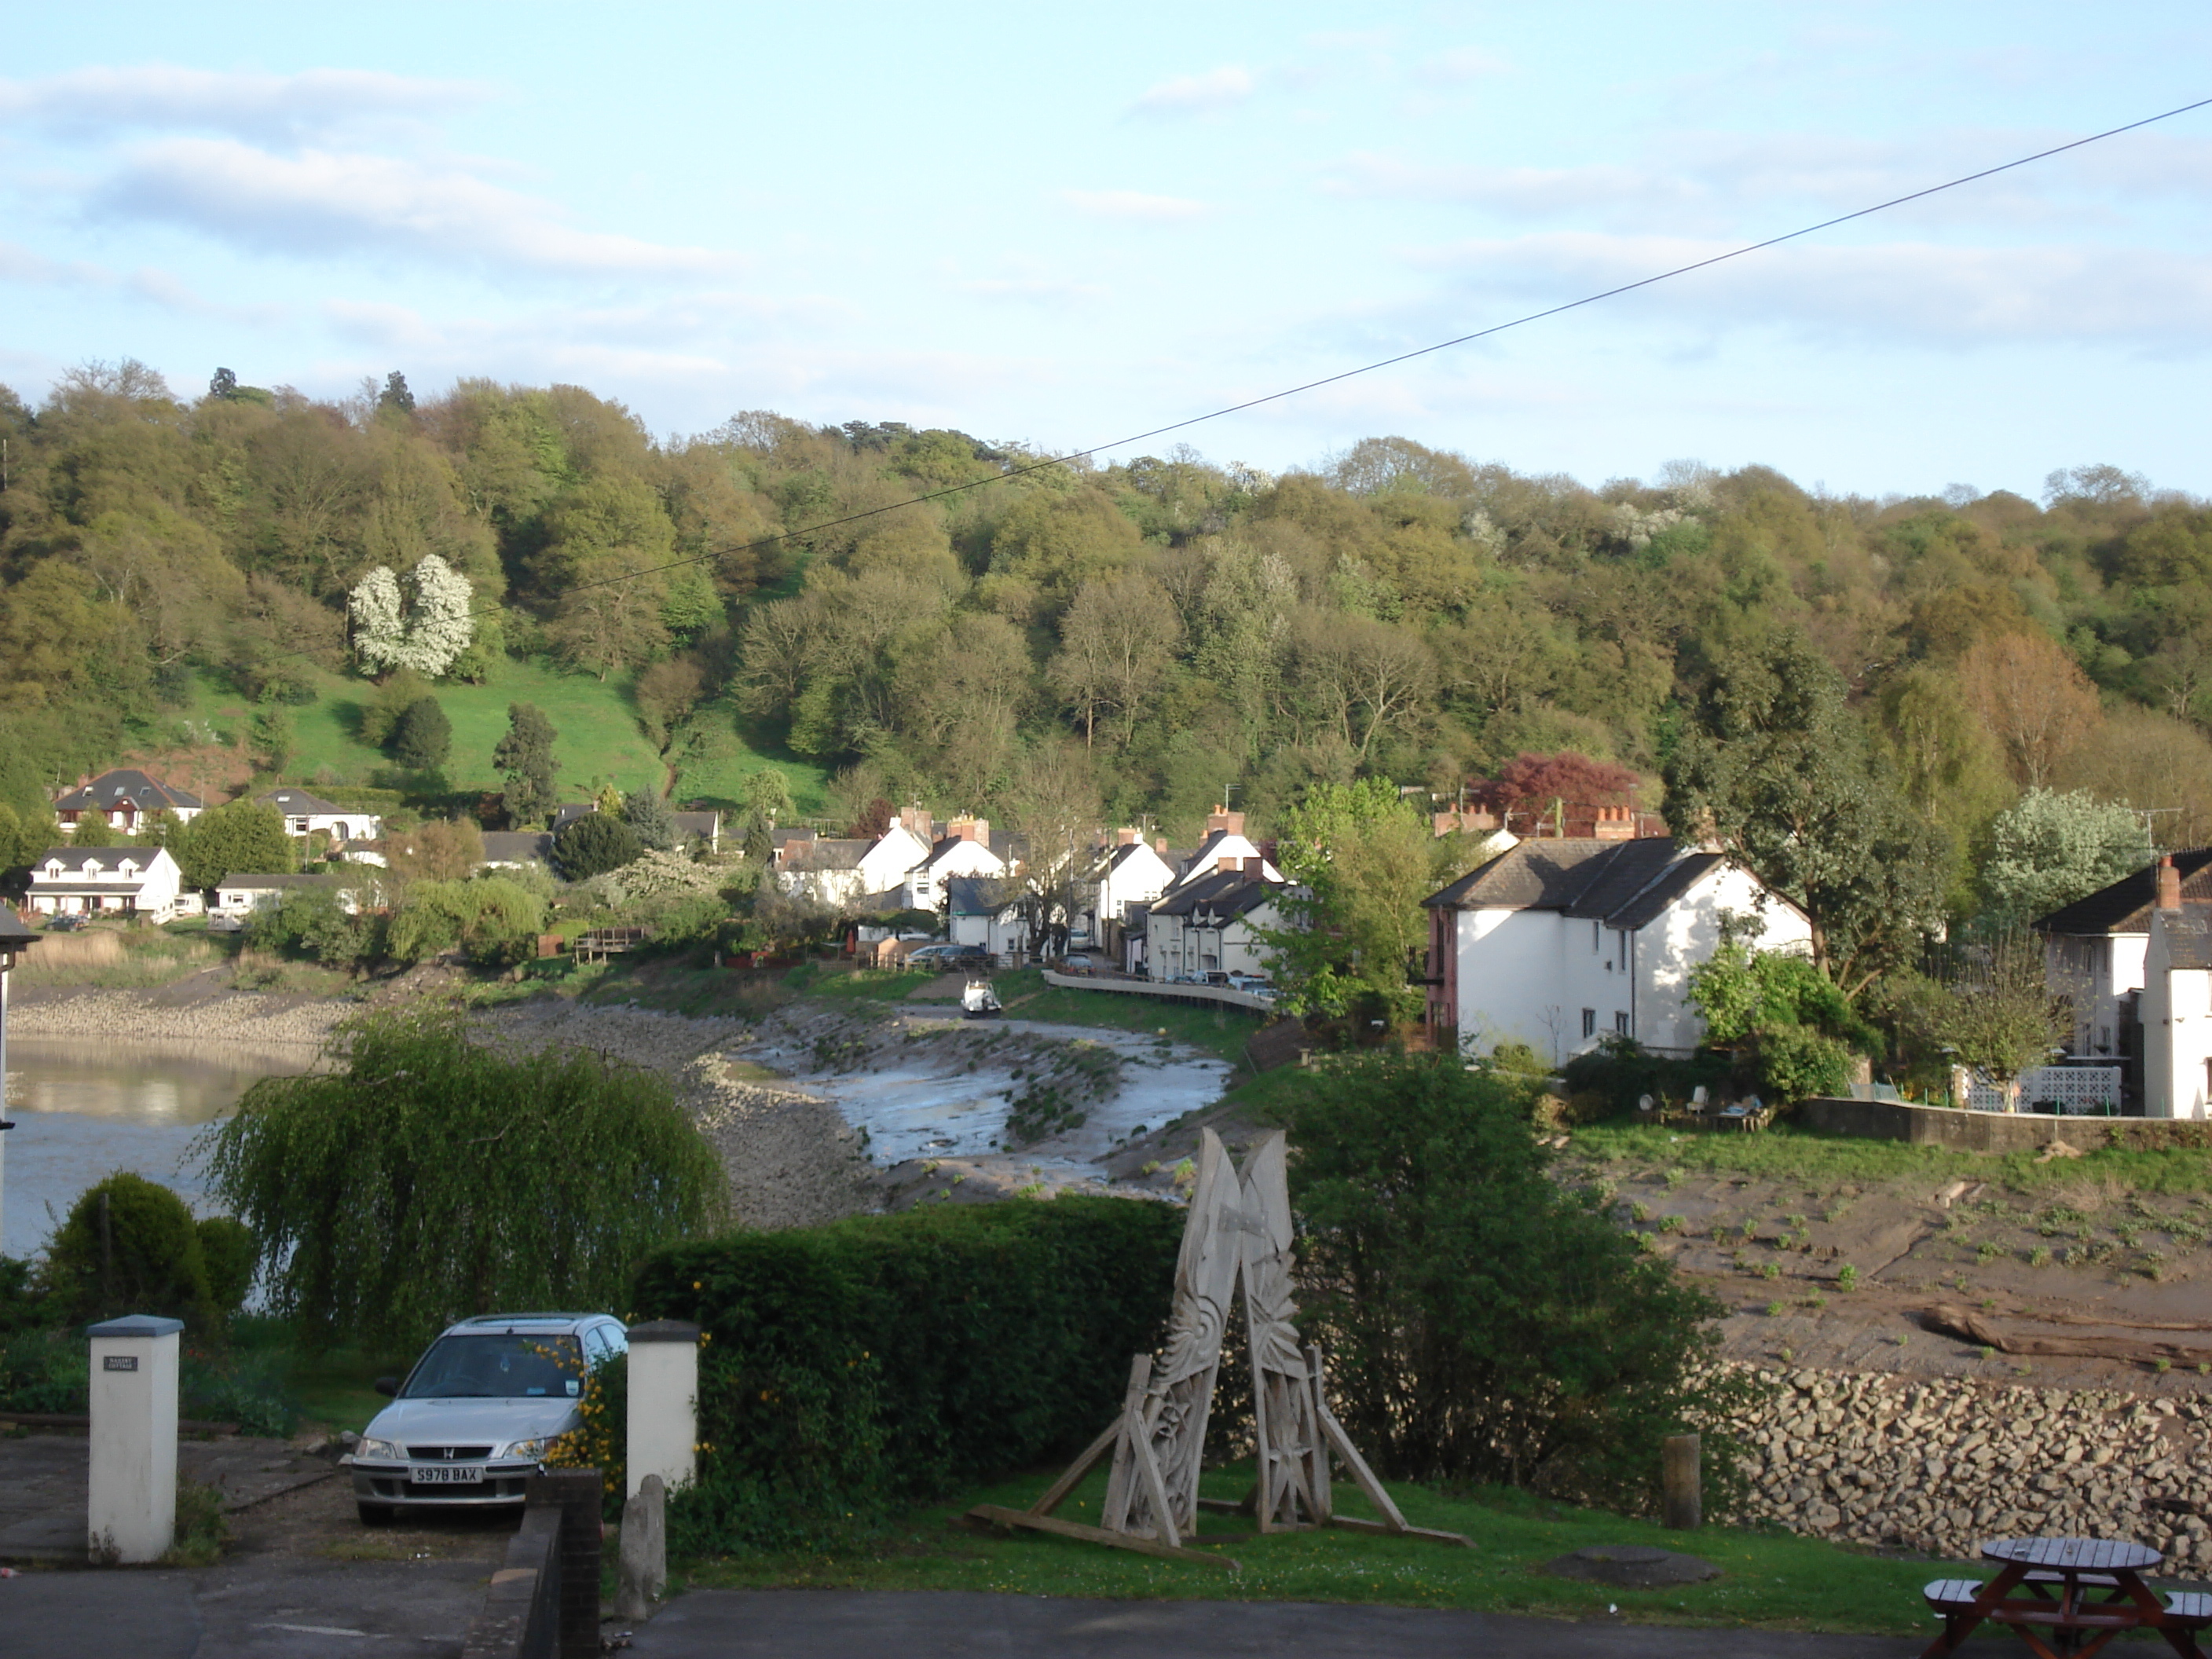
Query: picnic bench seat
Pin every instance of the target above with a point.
(1954, 1594)
(2190, 1608)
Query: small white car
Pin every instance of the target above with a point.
(479, 1411)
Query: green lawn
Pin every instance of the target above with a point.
(1769, 1580)
(600, 741)
(1218, 1031)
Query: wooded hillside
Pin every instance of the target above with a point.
(1146, 638)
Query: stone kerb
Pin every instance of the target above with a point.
(1937, 1464)
(663, 1404)
(130, 1499)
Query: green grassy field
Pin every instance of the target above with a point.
(1768, 1580)
(1218, 1031)
(600, 741)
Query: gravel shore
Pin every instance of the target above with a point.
(244, 1017)
(792, 1159)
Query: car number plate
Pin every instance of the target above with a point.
(445, 1475)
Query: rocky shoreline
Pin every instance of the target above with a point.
(1936, 1466)
(244, 1018)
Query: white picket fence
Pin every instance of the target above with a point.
(2073, 1089)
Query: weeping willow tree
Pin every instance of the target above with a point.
(432, 1179)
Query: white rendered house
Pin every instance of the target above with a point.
(237, 896)
(1557, 943)
(2095, 951)
(1225, 847)
(1129, 876)
(130, 881)
(964, 850)
(832, 870)
(2176, 1001)
(1212, 926)
(126, 798)
(307, 815)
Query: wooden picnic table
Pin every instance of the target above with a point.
(2066, 1597)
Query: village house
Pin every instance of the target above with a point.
(1112, 901)
(130, 881)
(965, 848)
(700, 826)
(986, 910)
(308, 815)
(1225, 848)
(837, 870)
(1557, 943)
(1212, 924)
(510, 849)
(2174, 1000)
(238, 895)
(2096, 951)
(127, 798)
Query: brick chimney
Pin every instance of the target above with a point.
(1255, 868)
(1226, 866)
(970, 830)
(916, 821)
(1160, 845)
(2169, 884)
(1222, 819)
(1127, 837)
(1615, 823)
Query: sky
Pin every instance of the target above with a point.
(1065, 228)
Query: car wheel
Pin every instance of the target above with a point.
(375, 1515)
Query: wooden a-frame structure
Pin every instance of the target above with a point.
(1239, 1232)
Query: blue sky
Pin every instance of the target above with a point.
(1063, 225)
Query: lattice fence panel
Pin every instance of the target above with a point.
(2074, 1089)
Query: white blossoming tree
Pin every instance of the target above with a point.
(428, 635)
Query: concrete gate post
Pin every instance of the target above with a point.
(663, 1404)
(130, 1510)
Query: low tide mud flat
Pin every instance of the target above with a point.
(2082, 1280)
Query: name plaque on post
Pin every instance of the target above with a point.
(118, 1361)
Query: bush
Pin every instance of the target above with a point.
(424, 737)
(592, 845)
(1484, 1323)
(227, 1246)
(1620, 1071)
(43, 1371)
(495, 920)
(130, 1246)
(884, 1360)
(1795, 1061)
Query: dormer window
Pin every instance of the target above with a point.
(126, 869)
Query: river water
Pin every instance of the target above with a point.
(84, 1111)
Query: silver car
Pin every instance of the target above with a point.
(479, 1411)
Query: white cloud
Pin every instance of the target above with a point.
(1892, 292)
(325, 201)
(98, 99)
(1461, 64)
(1197, 94)
(1035, 290)
(1135, 204)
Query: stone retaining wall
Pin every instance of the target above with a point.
(1937, 1465)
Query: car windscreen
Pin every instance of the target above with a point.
(504, 1365)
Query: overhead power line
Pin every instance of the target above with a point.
(1029, 467)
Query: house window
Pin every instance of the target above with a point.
(1621, 1021)
(1620, 940)
(1589, 1022)
(1598, 940)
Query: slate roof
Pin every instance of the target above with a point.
(1219, 897)
(262, 882)
(2126, 906)
(517, 846)
(564, 816)
(112, 789)
(2189, 938)
(98, 860)
(979, 896)
(705, 824)
(300, 803)
(829, 852)
(1623, 883)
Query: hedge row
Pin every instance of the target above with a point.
(848, 1370)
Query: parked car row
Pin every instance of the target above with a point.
(949, 958)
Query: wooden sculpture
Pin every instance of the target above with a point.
(1239, 1228)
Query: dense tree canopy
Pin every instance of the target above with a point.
(1177, 632)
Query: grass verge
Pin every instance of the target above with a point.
(1220, 1032)
(1768, 1580)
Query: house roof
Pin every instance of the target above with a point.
(112, 789)
(947, 845)
(978, 895)
(249, 881)
(517, 846)
(1222, 895)
(568, 813)
(2188, 937)
(707, 823)
(1624, 884)
(2126, 906)
(90, 862)
(830, 853)
(299, 801)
